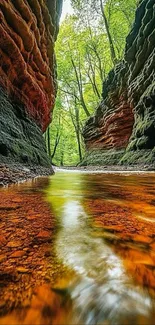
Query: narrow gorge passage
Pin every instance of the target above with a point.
(78, 248)
(77, 88)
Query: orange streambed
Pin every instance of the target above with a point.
(78, 248)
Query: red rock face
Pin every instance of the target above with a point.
(27, 63)
(113, 129)
(125, 119)
(118, 127)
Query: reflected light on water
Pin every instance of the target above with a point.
(103, 289)
(78, 248)
(72, 211)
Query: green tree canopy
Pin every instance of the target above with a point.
(89, 44)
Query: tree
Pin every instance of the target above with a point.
(89, 44)
(76, 122)
(110, 16)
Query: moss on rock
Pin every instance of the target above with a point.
(20, 138)
(126, 116)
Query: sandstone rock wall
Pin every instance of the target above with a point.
(124, 122)
(28, 30)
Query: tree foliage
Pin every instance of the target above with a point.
(90, 43)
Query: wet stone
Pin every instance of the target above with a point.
(44, 234)
(2, 257)
(17, 254)
(31, 217)
(13, 220)
(14, 243)
(22, 270)
(2, 240)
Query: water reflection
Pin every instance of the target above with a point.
(103, 290)
(78, 249)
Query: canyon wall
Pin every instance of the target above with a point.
(122, 131)
(28, 30)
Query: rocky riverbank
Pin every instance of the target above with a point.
(14, 173)
(110, 168)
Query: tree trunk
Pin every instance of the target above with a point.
(78, 131)
(57, 139)
(112, 49)
(48, 142)
(79, 83)
(76, 124)
(62, 157)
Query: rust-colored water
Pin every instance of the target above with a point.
(78, 248)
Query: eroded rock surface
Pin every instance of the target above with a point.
(123, 127)
(28, 30)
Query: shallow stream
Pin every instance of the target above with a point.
(78, 248)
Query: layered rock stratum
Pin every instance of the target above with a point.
(28, 30)
(123, 127)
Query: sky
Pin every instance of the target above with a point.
(66, 9)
